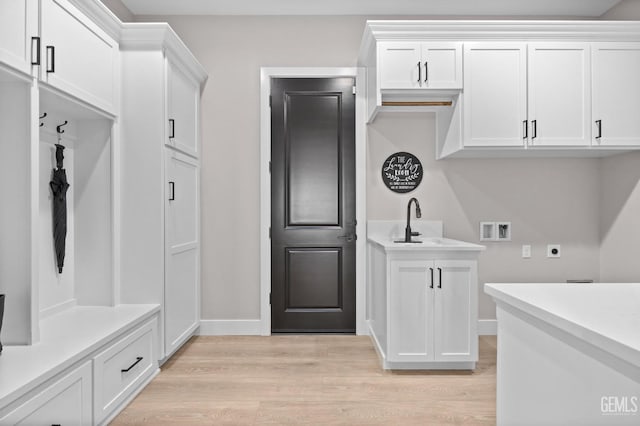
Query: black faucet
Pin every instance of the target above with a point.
(407, 232)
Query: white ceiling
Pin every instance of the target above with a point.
(585, 8)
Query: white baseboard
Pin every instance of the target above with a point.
(487, 327)
(230, 328)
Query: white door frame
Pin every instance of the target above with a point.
(266, 74)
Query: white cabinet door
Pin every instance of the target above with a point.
(616, 94)
(442, 64)
(411, 311)
(182, 256)
(455, 302)
(183, 101)
(18, 24)
(495, 94)
(66, 402)
(412, 65)
(559, 94)
(400, 65)
(78, 57)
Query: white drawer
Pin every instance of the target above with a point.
(65, 402)
(121, 369)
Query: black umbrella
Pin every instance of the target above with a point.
(59, 188)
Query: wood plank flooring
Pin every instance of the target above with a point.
(309, 380)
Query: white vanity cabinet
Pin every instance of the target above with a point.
(535, 94)
(431, 306)
(616, 94)
(78, 57)
(422, 307)
(18, 24)
(160, 206)
(413, 65)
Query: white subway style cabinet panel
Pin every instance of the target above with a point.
(495, 94)
(431, 311)
(182, 289)
(412, 65)
(78, 57)
(559, 101)
(183, 102)
(67, 401)
(616, 94)
(18, 24)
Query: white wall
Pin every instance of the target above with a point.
(547, 200)
(620, 198)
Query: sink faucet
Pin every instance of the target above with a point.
(407, 232)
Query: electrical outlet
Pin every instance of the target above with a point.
(526, 251)
(553, 250)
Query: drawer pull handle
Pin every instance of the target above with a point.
(138, 359)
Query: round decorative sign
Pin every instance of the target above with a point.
(402, 172)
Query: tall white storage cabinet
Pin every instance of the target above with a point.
(160, 206)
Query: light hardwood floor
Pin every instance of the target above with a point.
(309, 380)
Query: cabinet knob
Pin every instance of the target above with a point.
(439, 277)
(599, 124)
(419, 74)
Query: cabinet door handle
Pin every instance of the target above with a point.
(426, 71)
(599, 124)
(51, 59)
(173, 128)
(439, 277)
(172, 191)
(526, 129)
(431, 269)
(534, 129)
(138, 359)
(419, 74)
(36, 49)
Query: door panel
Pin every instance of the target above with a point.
(495, 86)
(313, 122)
(560, 93)
(399, 63)
(442, 64)
(183, 250)
(453, 301)
(18, 23)
(183, 110)
(322, 290)
(313, 205)
(616, 93)
(411, 311)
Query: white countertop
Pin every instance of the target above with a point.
(433, 244)
(65, 338)
(385, 233)
(605, 315)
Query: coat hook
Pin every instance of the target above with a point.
(41, 117)
(63, 124)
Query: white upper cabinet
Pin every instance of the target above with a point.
(410, 65)
(79, 58)
(18, 24)
(183, 101)
(518, 94)
(495, 94)
(616, 94)
(559, 94)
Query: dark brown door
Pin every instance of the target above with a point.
(313, 205)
